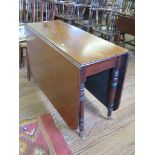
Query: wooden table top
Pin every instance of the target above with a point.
(78, 45)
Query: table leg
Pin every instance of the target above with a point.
(117, 82)
(81, 110)
(113, 86)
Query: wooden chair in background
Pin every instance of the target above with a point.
(35, 11)
(48, 10)
(29, 11)
(125, 23)
(22, 11)
(22, 44)
(80, 8)
(82, 11)
(66, 11)
(105, 13)
(128, 7)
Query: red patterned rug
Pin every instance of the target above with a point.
(40, 136)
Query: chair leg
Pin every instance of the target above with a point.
(28, 68)
(117, 39)
(110, 39)
(123, 39)
(23, 56)
(20, 57)
(85, 28)
(23, 64)
(91, 30)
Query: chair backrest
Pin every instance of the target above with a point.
(98, 10)
(104, 12)
(22, 11)
(30, 10)
(48, 10)
(115, 8)
(33, 9)
(36, 10)
(80, 8)
(128, 7)
(99, 3)
(65, 7)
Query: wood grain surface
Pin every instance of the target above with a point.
(77, 44)
(58, 52)
(56, 76)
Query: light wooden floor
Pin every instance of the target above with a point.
(118, 141)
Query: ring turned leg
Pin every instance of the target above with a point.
(113, 86)
(81, 112)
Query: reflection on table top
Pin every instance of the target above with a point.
(83, 47)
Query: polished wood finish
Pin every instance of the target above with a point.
(76, 44)
(53, 77)
(100, 66)
(62, 58)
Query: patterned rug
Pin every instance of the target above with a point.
(39, 136)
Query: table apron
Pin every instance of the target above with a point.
(100, 66)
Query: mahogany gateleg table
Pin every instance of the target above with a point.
(65, 59)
